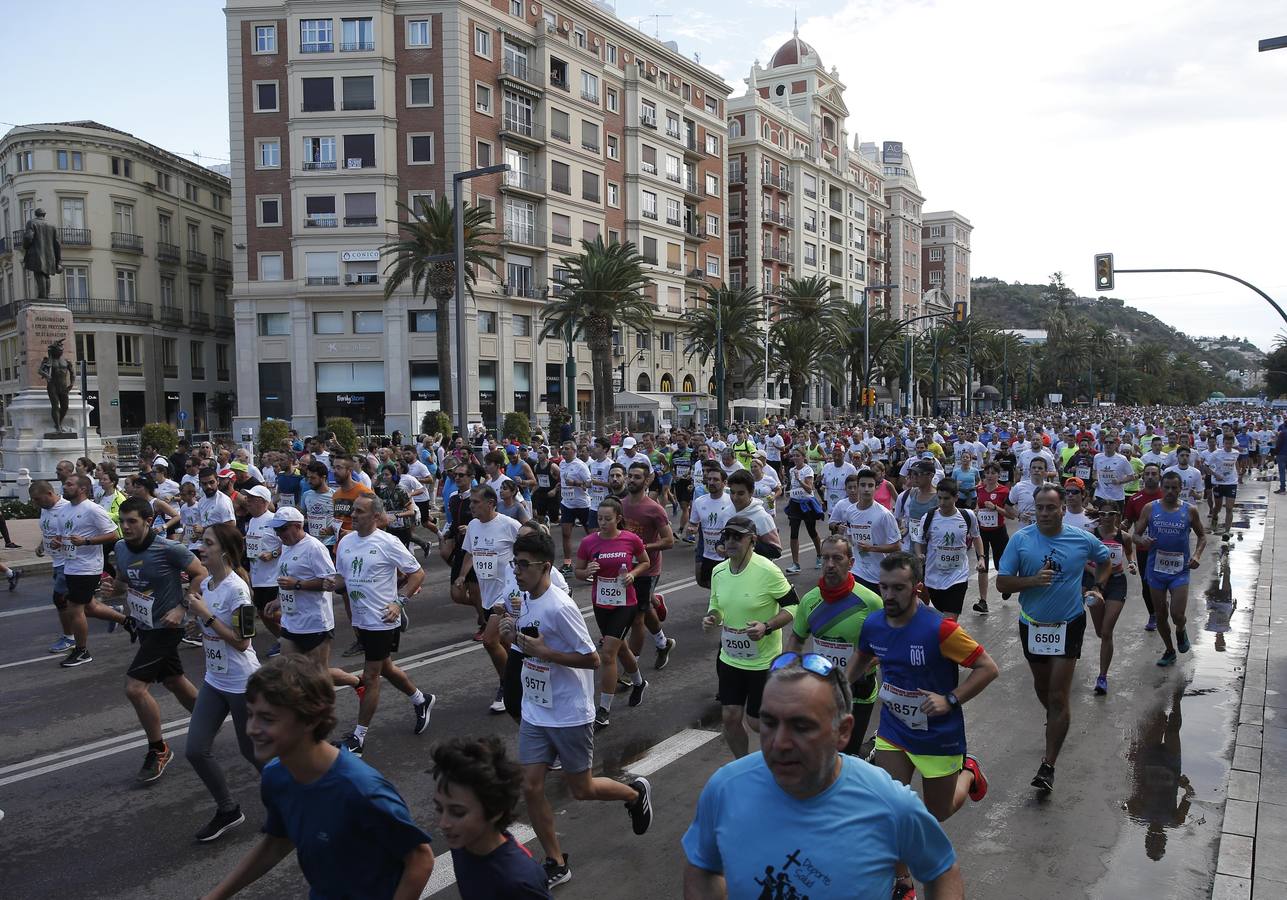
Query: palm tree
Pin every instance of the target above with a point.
(431, 232)
(884, 349)
(737, 315)
(799, 352)
(604, 287)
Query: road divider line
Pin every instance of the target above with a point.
(669, 750)
(34, 659)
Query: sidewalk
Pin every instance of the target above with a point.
(25, 533)
(1251, 864)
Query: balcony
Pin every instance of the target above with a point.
(736, 251)
(520, 129)
(523, 181)
(319, 165)
(355, 278)
(167, 253)
(836, 205)
(223, 323)
(519, 70)
(590, 97)
(781, 182)
(648, 168)
(691, 187)
(694, 232)
(171, 315)
(527, 235)
(317, 47)
(737, 176)
(778, 254)
(198, 372)
(560, 82)
(126, 242)
(356, 46)
(110, 308)
(321, 280)
(564, 239)
(836, 237)
(360, 221)
(522, 287)
(72, 237)
(222, 266)
(197, 259)
(836, 269)
(811, 226)
(737, 215)
(198, 319)
(778, 218)
(320, 220)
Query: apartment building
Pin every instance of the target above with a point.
(341, 112)
(146, 271)
(945, 254)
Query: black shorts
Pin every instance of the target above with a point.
(1072, 642)
(378, 644)
(995, 541)
(158, 655)
(1228, 491)
(615, 621)
(682, 488)
(308, 641)
(262, 596)
(545, 504)
(457, 562)
(706, 567)
(81, 588)
(948, 600)
(578, 516)
(426, 510)
(1114, 590)
(643, 592)
(797, 512)
(741, 687)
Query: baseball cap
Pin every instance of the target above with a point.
(285, 516)
(224, 473)
(259, 491)
(627, 443)
(162, 462)
(239, 467)
(1075, 482)
(741, 525)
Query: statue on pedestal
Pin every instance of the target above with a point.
(59, 376)
(42, 251)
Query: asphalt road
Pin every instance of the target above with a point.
(1136, 812)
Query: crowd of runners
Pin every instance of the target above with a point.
(1050, 513)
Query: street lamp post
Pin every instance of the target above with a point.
(866, 336)
(457, 186)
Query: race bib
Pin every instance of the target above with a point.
(1004, 477)
(537, 689)
(860, 534)
(287, 600)
(738, 644)
(486, 566)
(543, 481)
(838, 652)
(915, 530)
(1117, 553)
(989, 518)
(320, 515)
(681, 470)
(1083, 472)
(798, 493)
(610, 591)
(1168, 562)
(904, 706)
(254, 546)
(285, 501)
(140, 606)
(216, 655)
(950, 559)
(1047, 640)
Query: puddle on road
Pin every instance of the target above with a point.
(1179, 753)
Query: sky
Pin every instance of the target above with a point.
(1150, 129)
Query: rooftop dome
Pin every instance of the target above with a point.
(792, 53)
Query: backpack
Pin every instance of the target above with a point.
(965, 513)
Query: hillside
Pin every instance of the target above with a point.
(1007, 305)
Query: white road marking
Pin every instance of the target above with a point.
(669, 750)
(34, 659)
(444, 873)
(26, 610)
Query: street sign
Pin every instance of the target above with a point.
(183, 415)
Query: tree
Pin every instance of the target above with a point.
(884, 348)
(737, 314)
(160, 436)
(273, 435)
(345, 433)
(1276, 371)
(431, 231)
(604, 287)
(805, 334)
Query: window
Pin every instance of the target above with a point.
(673, 168)
(265, 96)
(483, 42)
(590, 86)
(192, 192)
(712, 144)
(167, 292)
(316, 36)
(27, 161)
(120, 165)
(274, 324)
(85, 347)
(560, 125)
(270, 267)
(126, 288)
(810, 254)
(422, 321)
(71, 160)
(935, 231)
(516, 8)
(420, 91)
(359, 151)
(712, 225)
(614, 147)
(319, 153)
(521, 325)
(560, 177)
(321, 268)
(668, 340)
(648, 113)
(123, 218)
(580, 35)
(484, 154)
(590, 186)
(265, 38)
(649, 250)
(590, 136)
(73, 213)
(368, 321)
(614, 194)
(551, 21)
(561, 229)
(483, 99)
(673, 210)
(486, 321)
(612, 95)
(320, 212)
(170, 353)
(359, 209)
(270, 154)
(418, 34)
(712, 265)
(319, 94)
(357, 34)
(76, 282)
(164, 182)
(712, 185)
(712, 106)
(649, 203)
(672, 124)
(936, 254)
(359, 91)
(129, 350)
(164, 234)
(194, 233)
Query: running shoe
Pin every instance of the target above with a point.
(355, 649)
(154, 764)
(793, 569)
(556, 766)
(1151, 624)
(904, 889)
(189, 641)
(641, 809)
(623, 683)
(1182, 641)
(663, 655)
(63, 644)
(566, 572)
(1166, 659)
(659, 604)
(636, 693)
(1044, 780)
(1280, 491)
(981, 607)
(76, 657)
(10, 545)
(498, 705)
(1101, 686)
(556, 874)
(351, 743)
(478, 635)
(275, 649)
(14, 575)
(221, 822)
(422, 712)
(979, 789)
(601, 720)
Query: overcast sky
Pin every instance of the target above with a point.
(1148, 128)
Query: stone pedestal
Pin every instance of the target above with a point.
(31, 444)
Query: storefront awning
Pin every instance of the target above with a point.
(749, 403)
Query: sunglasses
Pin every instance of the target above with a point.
(524, 564)
(732, 535)
(811, 662)
(1072, 490)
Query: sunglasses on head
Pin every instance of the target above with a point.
(811, 662)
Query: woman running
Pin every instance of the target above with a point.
(1104, 613)
(802, 507)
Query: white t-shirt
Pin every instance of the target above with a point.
(491, 545)
(260, 538)
(51, 526)
(1108, 469)
(873, 525)
(88, 520)
(556, 696)
(1027, 456)
(1079, 520)
(1192, 486)
(306, 612)
(599, 471)
(833, 480)
(710, 514)
(370, 567)
(774, 444)
(1023, 498)
(768, 483)
(319, 513)
(226, 669)
(167, 489)
(216, 509)
(418, 470)
(947, 555)
(760, 517)
(575, 496)
(189, 519)
(361, 478)
(1223, 465)
(798, 490)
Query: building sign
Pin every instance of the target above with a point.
(344, 399)
(359, 256)
(427, 396)
(353, 162)
(892, 152)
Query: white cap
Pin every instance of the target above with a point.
(627, 442)
(261, 492)
(285, 516)
(162, 462)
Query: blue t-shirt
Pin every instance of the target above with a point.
(843, 843)
(507, 873)
(351, 828)
(1069, 552)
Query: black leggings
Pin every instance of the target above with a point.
(512, 681)
(862, 713)
(4, 529)
(994, 543)
(809, 524)
(1148, 593)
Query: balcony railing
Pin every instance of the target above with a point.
(317, 47)
(778, 218)
(528, 235)
(110, 307)
(695, 231)
(511, 127)
(673, 133)
(648, 121)
(198, 319)
(675, 177)
(223, 374)
(317, 280)
(170, 371)
(737, 251)
(362, 278)
(781, 182)
(222, 266)
(836, 269)
(73, 237)
(361, 221)
(777, 253)
(523, 181)
(356, 46)
(737, 214)
(223, 323)
(589, 146)
(519, 69)
(836, 205)
(322, 220)
(811, 193)
(560, 82)
(737, 176)
(836, 237)
(197, 259)
(811, 226)
(129, 243)
(560, 187)
(167, 252)
(198, 373)
(522, 288)
(650, 214)
(564, 239)
(315, 165)
(355, 105)
(590, 97)
(171, 315)
(673, 220)
(558, 135)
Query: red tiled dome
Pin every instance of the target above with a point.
(791, 53)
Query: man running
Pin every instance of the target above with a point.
(86, 529)
(1044, 564)
(948, 535)
(872, 530)
(709, 513)
(993, 508)
(51, 508)
(574, 500)
(647, 518)
(1223, 464)
(488, 547)
(1162, 530)
(1152, 490)
(1112, 472)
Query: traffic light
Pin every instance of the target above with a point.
(958, 311)
(1103, 271)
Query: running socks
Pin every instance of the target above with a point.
(418, 697)
(659, 639)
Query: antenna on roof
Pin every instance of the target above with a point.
(656, 22)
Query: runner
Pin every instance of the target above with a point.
(834, 473)
(367, 564)
(709, 513)
(1043, 563)
(545, 501)
(993, 505)
(1121, 551)
(741, 490)
(1022, 496)
(802, 507)
(52, 507)
(558, 703)
(871, 530)
(750, 603)
(347, 490)
(86, 529)
(1162, 530)
(914, 502)
(948, 536)
(647, 518)
(682, 459)
(213, 506)
(1075, 497)
(263, 548)
(1225, 479)
(1191, 483)
(489, 548)
(1112, 472)
(574, 500)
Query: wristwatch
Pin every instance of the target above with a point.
(950, 696)
(209, 623)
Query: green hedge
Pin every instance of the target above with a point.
(273, 435)
(160, 436)
(345, 433)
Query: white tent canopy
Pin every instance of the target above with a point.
(747, 403)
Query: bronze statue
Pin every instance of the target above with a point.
(42, 252)
(59, 375)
